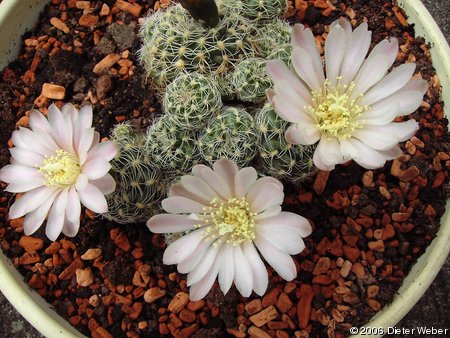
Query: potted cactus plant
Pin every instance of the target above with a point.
(223, 134)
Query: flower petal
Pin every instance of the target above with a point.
(302, 133)
(166, 223)
(243, 180)
(203, 266)
(291, 221)
(320, 164)
(105, 184)
(182, 248)
(226, 169)
(243, 276)
(376, 138)
(82, 182)
(380, 113)
(61, 131)
(15, 172)
(35, 218)
(372, 71)
(198, 187)
(282, 238)
(329, 151)
(186, 265)
(24, 185)
(70, 229)
(279, 72)
(269, 212)
(357, 48)
(335, 47)
(27, 157)
(73, 208)
(367, 157)
(56, 216)
(259, 271)
(226, 268)
(182, 205)
(96, 168)
(215, 181)
(106, 150)
(38, 121)
(304, 38)
(264, 194)
(304, 66)
(178, 189)
(393, 82)
(85, 143)
(30, 200)
(280, 261)
(201, 289)
(92, 198)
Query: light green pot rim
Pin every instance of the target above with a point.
(38, 312)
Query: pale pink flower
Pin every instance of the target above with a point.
(58, 164)
(230, 213)
(349, 110)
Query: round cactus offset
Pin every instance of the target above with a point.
(175, 43)
(250, 80)
(274, 41)
(173, 149)
(191, 99)
(137, 179)
(230, 135)
(278, 158)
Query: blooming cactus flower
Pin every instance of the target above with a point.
(59, 164)
(229, 212)
(350, 108)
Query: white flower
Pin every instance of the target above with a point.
(351, 109)
(229, 212)
(59, 164)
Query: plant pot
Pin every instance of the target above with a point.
(18, 16)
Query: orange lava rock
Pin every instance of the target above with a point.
(120, 239)
(187, 316)
(69, 272)
(88, 20)
(31, 244)
(91, 254)
(409, 174)
(153, 294)
(59, 24)
(377, 246)
(253, 306)
(322, 266)
(304, 305)
(196, 305)
(264, 316)
(258, 333)
(134, 9)
(270, 298)
(107, 62)
(85, 277)
(346, 267)
(284, 303)
(372, 291)
(352, 253)
(29, 258)
(320, 182)
(178, 302)
(187, 331)
(374, 305)
(52, 91)
(101, 332)
(105, 10)
(400, 216)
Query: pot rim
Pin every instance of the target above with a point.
(43, 317)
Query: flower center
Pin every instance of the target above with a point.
(233, 219)
(335, 110)
(61, 170)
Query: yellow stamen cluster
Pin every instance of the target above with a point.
(336, 112)
(61, 170)
(232, 219)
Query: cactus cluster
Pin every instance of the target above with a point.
(175, 43)
(191, 99)
(173, 150)
(250, 80)
(258, 9)
(279, 158)
(137, 179)
(274, 41)
(230, 135)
